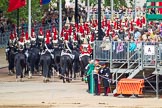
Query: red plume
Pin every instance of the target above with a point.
(67, 36)
(47, 37)
(143, 20)
(40, 31)
(26, 36)
(75, 37)
(138, 22)
(32, 33)
(53, 29)
(92, 37)
(11, 36)
(22, 33)
(21, 39)
(55, 36)
(131, 26)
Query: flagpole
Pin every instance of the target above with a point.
(18, 23)
(100, 36)
(76, 12)
(29, 18)
(112, 9)
(88, 9)
(60, 17)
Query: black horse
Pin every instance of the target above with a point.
(76, 63)
(19, 62)
(33, 60)
(66, 67)
(46, 63)
(84, 60)
(57, 49)
(10, 55)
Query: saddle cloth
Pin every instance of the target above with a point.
(71, 55)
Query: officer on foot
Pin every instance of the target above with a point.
(106, 78)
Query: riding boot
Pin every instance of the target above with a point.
(105, 91)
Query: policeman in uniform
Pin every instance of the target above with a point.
(105, 72)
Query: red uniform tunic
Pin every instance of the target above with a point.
(85, 49)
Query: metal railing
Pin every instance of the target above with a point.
(136, 57)
(120, 52)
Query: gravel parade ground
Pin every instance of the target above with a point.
(33, 93)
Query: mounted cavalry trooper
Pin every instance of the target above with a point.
(40, 37)
(85, 50)
(68, 46)
(54, 37)
(27, 41)
(10, 53)
(27, 51)
(46, 59)
(33, 38)
(19, 60)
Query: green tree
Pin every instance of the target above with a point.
(37, 10)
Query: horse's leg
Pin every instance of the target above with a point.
(37, 65)
(22, 74)
(71, 74)
(63, 78)
(68, 78)
(74, 75)
(30, 71)
(45, 74)
(62, 75)
(10, 67)
(82, 67)
(60, 71)
(49, 73)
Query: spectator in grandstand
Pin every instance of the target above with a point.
(107, 12)
(121, 34)
(23, 24)
(137, 34)
(1, 27)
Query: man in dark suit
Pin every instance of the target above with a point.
(106, 78)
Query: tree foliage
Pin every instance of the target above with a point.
(37, 11)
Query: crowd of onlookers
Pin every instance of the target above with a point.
(5, 24)
(151, 33)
